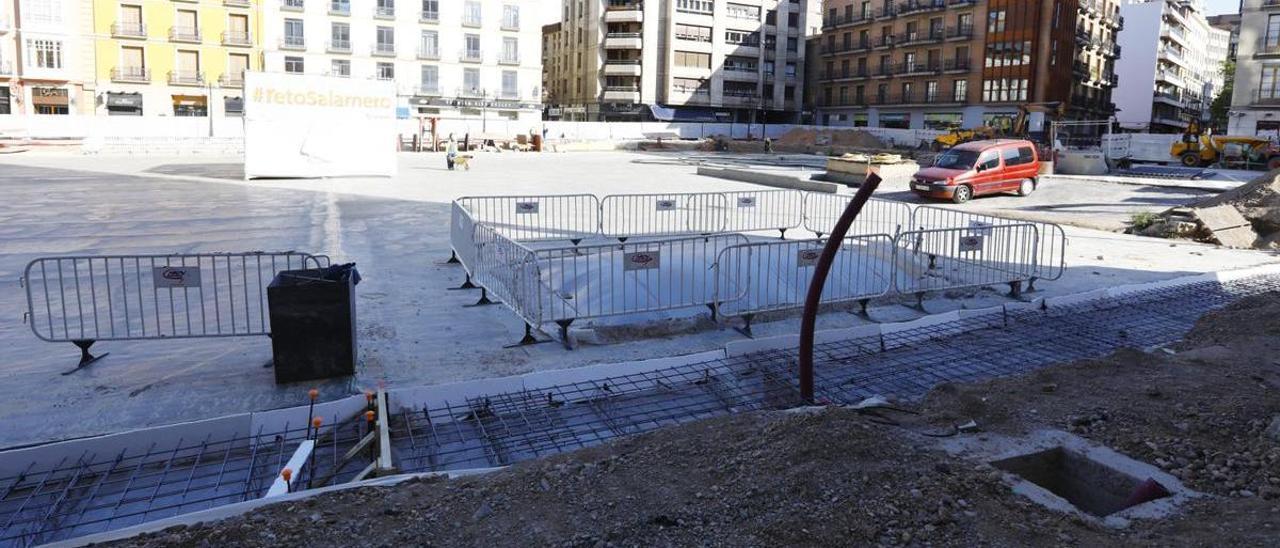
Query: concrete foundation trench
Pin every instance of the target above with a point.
(82, 487)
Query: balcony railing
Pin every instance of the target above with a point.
(1270, 97)
(129, 30)
(236, 3)
(6, 68)
(428, 89)
(429, 53)
(231, 80)
(186, 78)
(429, 17)
(293, 42)
(384, 12)
(339, 8)
(131, 74)
(509, 59)
(383, 50)
(470, 56)
(513, 24)
(236, 38)
(184, 34)
(470, 21)
(338, 46)
(291, 5)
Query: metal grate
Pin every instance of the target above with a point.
(97, 492)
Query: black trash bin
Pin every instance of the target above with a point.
(313, 323)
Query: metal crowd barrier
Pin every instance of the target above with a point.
(535, 218)
(954, 258)
(509, 270)
(625, 216)
(1052, 260)
(821, 211)
(462, 238)
(597, 281)
(84, 299)
(769, 276)
(756, 210)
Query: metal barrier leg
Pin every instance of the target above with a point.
(528, 339)
(564, 333)
(746, 326)
(1015, 289)
(484, 299)
(712, 308)
(453, 258)
(920, 302)
(782, 236)
(85, 357)
(862, 308)
(1031, 285)
(466, 284)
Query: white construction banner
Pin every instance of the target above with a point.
(318, 126)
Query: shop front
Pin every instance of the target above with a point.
(124, 104)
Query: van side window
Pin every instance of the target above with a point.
(989, 160)
(1010, 156)
(1018, 156)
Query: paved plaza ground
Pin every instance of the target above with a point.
(412, 329)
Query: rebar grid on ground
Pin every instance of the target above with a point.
(94, 492)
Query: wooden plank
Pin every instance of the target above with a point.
(295, 464)
(385, 464)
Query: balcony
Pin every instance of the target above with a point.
(384, 12)
(237, 3)
(236, 38)
(510, 24)
(428, 90)
(428, 53)
(1266, 98)
(623, 40)
(961, 32)
(184, 34)
(383, 50)
(338, 46)
(470, 56)
(429, 17)
(186, 78)
(128, 30)
(340, 8)
(509, 59)
(231, 80)
(6, 68)
(957, 65)
(1268, 48)
(624, 11)
(621, 94)
(136, 75)
(472, 22)
(622, 67)
(915, 6)
(291, 5)
(296, 43)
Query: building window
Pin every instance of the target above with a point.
(341, 7)
(45, 54)
(293, 34)
(429, 44)
(430, 82)
(385, 8)
(510, 90)
(693, 59)
(471, 80)
(705, 7)
(340, 37)
(742, 11)
(1270, 88)
(293, 65)
(1273, 32)
(960, 91)
(43, 11)
(510, 50)
(510, 17)
(995, 21)
(693, 33)
(696, 86)
(1008, 54)
(430, 10)
(386, 71)
(294, 4)
(471, 14)
(793, 44)
(386, 40)
(741, 38)
(341, 68)
(931, 91)
(5, 100)
(1004, 89)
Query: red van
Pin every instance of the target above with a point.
(980, 167)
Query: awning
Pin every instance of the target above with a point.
(189, 100)
(49, 96)
(688, 114)
(124, 100)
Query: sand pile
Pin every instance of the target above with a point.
(834, 137)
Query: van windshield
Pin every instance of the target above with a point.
(956, 159)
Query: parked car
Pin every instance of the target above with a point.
(978, 168)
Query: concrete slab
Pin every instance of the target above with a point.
(1228, 226)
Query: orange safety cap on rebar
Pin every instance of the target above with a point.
(286, 474)
(313, 393)
(316, 422)
(368, 415)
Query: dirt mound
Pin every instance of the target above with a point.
(801, 137)
(837, 477)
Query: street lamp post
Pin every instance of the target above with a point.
(484, 108)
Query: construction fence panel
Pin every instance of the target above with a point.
(509, 271)
(754, 210)
(535, 218)
(462, 236)
(954, 258)
(593, 281)
(821, 211)
(1052, 248)
(126, 297)
(630, 215)
(768, 276)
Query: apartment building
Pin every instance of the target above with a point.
(174, 57)
(44, 58)
(684, 60)
(941, 64)
(1255, 105)
(1172, 65)
(1229, 22)
(449, 59)
(550, 59)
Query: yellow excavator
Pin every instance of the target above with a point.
(1201, 148)
(1018, 129)
(958, 136)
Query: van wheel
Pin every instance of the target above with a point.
(962, 194)
(1191, 159)
(1027, 187)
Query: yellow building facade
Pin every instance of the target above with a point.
(174, 57)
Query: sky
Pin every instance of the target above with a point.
(548, 12)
